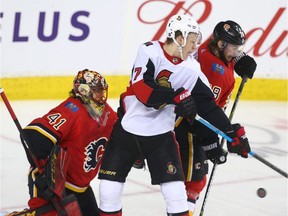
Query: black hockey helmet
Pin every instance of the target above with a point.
(230, 32)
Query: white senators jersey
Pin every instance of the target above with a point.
(155, 76)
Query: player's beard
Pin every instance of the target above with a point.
(222, 57)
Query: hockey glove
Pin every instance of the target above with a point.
(240, 144)
(42, 185)
(51, 182)
(185, 104)
(215, 153)
(245, 66)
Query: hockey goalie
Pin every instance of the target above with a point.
(65, 148)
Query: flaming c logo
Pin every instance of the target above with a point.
(94, 153)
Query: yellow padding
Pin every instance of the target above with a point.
(263, 89)
(57, 87)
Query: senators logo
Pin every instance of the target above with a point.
(94, 153)
(163, 79)
(171, 169)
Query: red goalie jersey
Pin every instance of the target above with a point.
(71, 126)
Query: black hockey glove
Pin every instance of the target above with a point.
(240, 145)
(42, 184)
(185, 104)
(215, 153)
(245, 66)
(51, 182)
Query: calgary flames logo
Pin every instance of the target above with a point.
(163, 78)
(94, 153)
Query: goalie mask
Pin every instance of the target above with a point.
(91, 88)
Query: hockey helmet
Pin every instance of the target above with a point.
(91, 88)
(230, 32)
(183, 23)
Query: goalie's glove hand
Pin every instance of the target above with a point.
(215, 153)
(41, 183)
(240, 144)
(245, 66)
(185, 104)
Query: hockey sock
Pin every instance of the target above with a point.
(175, 197)
(117, 213)
(186, 213)
(193, 189)
(110, 196)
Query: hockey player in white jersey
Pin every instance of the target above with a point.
(165, 81)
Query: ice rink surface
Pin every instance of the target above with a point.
(233, 192)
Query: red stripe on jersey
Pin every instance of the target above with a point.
(142, 91)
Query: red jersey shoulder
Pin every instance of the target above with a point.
(71, 105)
(71, 110)
(112, 116)
(61, 118)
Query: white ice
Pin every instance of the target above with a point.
(233, 191)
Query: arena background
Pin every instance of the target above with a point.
(44, 43)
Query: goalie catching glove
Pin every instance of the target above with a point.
(240, 144)
(185, 104)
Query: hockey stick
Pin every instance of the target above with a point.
(58, 206)
(251, 153)
(239, 92)
(25, 145)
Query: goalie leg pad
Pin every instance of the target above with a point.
(70, 203)
(56, 169)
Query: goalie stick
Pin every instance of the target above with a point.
(25, 145)
(57, 200)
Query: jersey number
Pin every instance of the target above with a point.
(137, 71)
(216, 92)
(56, 121)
